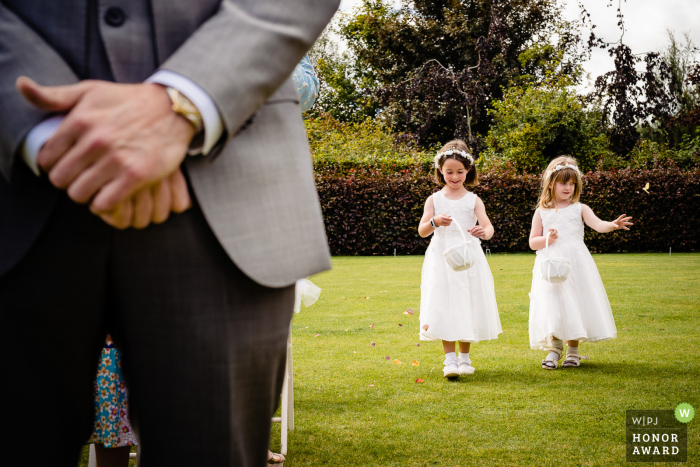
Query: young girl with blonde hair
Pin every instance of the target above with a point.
(456, 306)
(576, 309)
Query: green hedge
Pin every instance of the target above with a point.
(372, 210)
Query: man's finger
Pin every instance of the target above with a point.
(73, 162)
(56, 146)
(90, 180)
(162, 201)
(180, 194)
(121, 217)
(112, 193)
(52, 98)
(143, 208)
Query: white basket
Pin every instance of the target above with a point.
(554, 269)
(460, 257)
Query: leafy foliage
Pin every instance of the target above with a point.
(534, 124)
(341, 92)
(367, 143)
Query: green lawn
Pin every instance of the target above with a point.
(511, 412)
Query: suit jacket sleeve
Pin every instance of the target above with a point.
(23, 52)
(244, 52)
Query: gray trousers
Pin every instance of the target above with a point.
(203, 346)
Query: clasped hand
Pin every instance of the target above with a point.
(119, 148)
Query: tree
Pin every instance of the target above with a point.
(341, 92)
(438, 63)
(533, 124)
(661, 100)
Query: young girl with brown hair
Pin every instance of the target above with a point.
(456, 306)
(577, 308)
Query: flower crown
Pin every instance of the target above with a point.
(449, 152)
(565, 166)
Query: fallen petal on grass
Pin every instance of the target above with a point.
(370, 385)
(317, 335)
(418, 380)
(371, 325)
(415, 363)
(372, 344)
(397, 362)
(400, 324)
(409, 311)
(417, 345)
(387, 358)
(405, 312)
(346, 330)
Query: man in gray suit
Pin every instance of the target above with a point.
(200, 303)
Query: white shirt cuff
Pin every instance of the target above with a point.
(211, 119)
(36, 138)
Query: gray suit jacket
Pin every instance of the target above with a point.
(258, 192)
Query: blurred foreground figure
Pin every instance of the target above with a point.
(107, 225)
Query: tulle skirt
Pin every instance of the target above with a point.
(576, 309)
(457, 306)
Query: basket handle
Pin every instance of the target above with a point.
(464, 237)
(546, 251)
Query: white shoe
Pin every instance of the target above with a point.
(465, 367)
(450, 370)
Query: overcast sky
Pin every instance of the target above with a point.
(646, 22)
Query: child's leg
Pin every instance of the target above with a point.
(464, 363)
(450, 370)
(448, 347)
(573, 358)
(555, 347)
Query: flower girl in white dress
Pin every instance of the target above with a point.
(456, 306)
(577, 308)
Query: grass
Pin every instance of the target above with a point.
(510, 412)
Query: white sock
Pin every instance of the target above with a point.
(450, 357)
(464, 357)
(571, 350)
(553, 356)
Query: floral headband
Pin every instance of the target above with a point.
(449, 152)
(561, 167)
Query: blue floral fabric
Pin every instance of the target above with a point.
(112, 428)
(306, 82)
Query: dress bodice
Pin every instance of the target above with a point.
(567, 221)
(461, 210)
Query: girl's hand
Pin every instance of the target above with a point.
(443, 220)
(621, 222)
(477, 231)
(552, 236)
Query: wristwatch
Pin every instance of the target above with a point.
(185, 108)
(432, 223)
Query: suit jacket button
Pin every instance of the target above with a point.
(115, 16)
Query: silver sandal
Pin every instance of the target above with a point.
(573, 360)
(548, 363)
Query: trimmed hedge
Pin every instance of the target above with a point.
(374, 210)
